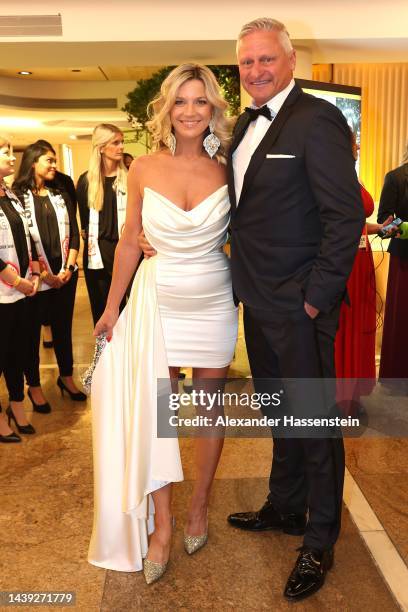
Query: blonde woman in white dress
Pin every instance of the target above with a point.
(180, 313)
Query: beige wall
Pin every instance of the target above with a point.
(66, 89)
(214, 20)
(80, 157)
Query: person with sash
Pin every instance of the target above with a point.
(64, 183)
(19, 277)
(102, 194)
(54, 229)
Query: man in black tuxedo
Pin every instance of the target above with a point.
(297, 218)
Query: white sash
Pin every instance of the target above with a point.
(61, 212)
(8, 252)
(94, 254)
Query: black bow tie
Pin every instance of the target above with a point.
(255, 112)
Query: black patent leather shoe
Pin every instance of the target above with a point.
(267, 519)
(309, 573)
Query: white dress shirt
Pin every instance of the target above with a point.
(252, 138)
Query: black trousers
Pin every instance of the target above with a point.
(59, 304)
(98, 283)
(46, 318)
(13, 346)
(307, 473)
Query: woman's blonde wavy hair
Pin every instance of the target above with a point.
(102, 135)
(159, 109)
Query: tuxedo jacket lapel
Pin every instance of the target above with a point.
(239, 131)
(271, 135)
(241, 126)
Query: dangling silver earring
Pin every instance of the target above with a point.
(211, 143)
(171, 143)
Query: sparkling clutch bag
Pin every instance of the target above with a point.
(86, 378)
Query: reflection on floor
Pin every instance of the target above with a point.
(46, 517)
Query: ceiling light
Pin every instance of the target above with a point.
(24, 72)
(73, 137)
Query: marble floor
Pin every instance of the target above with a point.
(46, 518)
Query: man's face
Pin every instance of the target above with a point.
(265, 67)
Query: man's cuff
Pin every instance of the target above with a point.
(319, 301)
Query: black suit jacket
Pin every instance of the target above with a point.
(296, 229)
(394, 201)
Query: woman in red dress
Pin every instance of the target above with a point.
(355, 339)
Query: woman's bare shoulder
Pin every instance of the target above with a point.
(219, 169)
(139, 162)
(150, 160)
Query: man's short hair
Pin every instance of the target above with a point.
(267, 24)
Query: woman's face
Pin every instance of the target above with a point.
(7, 160)
(113, 151)
(45, 166)
(192, 111)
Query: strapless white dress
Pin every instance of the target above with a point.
(180, 312)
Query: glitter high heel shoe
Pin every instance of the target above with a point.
(193, 543)
(152, 570)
